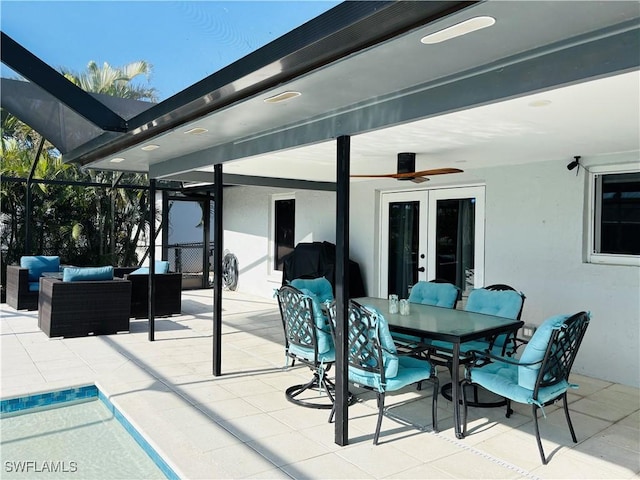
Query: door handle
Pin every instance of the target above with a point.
(421, 269)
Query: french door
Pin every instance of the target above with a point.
(429, 234)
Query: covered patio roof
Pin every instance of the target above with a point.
(476, 83)
(563, 71)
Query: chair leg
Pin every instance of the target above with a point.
(535, 423)
(333, 413)
(509, 409)
(380, 414)
(328, 386)
(434, 403)
(566, 414)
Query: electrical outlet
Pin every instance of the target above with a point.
(528, 330)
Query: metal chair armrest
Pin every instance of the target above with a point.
(486, 357)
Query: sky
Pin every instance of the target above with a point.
(184, 41)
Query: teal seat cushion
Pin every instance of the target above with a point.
(535, 350)
(162, 266)
(34, 286)
(320, 287)
(323, 330)
(503, 379)
(85, 274)
(307, 354)
(408, 370)
(501, 303)
(431, 293)
(38, 264)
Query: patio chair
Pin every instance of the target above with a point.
(85, 301)
(541, 375)
(439, 293)
(374, 363)
(499, 300)
(168, 294)
(308, 340)
(23, 280)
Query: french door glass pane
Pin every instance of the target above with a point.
(404, 221)
(455, 241)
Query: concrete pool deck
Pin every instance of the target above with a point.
(240, 425)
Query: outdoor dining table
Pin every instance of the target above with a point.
(448, 324)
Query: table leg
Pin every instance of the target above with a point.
(455, 389)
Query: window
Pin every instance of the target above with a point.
(284, 219)
(616, 217)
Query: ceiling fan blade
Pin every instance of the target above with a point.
(413, 175)
(437, 171)
(425, 173)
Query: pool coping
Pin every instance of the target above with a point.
(82, 393)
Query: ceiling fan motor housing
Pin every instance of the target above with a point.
(406, 163)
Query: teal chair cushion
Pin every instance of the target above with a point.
(389, 357)
(34, 286)
(162, 266)
(307, 354)
(501, 303)
(438, 294)
(389, 352)
(39, 264)
(85, 274)
(323, 330)
(504, 380)
(410, 370)
(320, 287)
(535, 349)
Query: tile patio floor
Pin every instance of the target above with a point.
(240, 425)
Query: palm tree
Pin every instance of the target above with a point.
(114, 81)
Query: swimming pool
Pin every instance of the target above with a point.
(74, 433)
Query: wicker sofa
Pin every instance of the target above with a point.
(80, 308)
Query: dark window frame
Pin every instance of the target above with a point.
(614, 216)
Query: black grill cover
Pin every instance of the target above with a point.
(318, 259)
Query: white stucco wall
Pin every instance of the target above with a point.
(535, 225)
(536, 218)
(246, 224)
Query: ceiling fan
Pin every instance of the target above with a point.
(407, 170)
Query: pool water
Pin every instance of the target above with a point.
(81, 440)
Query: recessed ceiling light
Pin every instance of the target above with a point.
(117, 160)
(197, 131)
(281, 97)
(150, 147)
(459, 29)
(540, 103)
